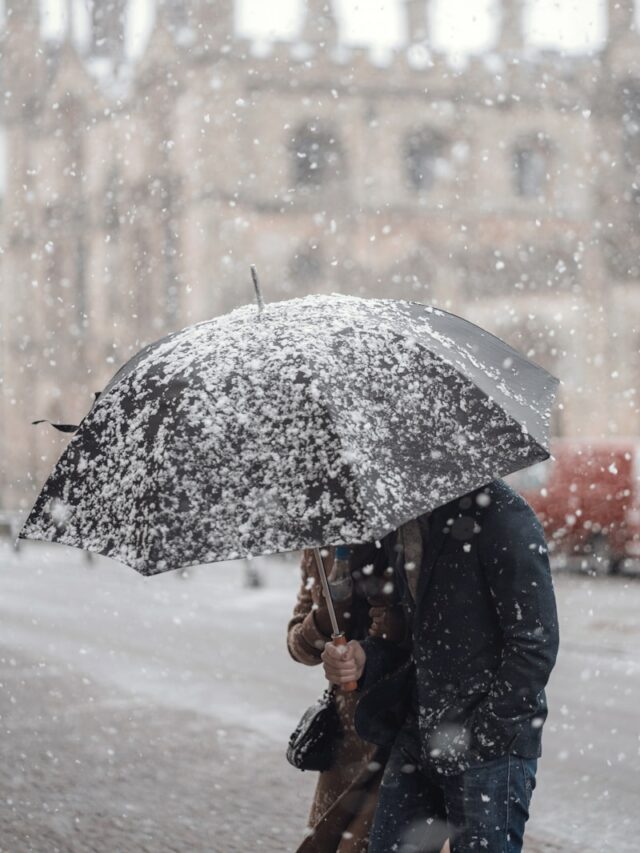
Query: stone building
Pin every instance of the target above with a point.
(136, 196)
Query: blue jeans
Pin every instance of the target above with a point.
(483, 809)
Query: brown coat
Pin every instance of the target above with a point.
(346, 794)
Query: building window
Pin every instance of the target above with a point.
(317, 156)
(531, 166)
(424, 158)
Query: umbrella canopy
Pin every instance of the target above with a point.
(315, 421)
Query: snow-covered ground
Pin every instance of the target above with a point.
(152, 714)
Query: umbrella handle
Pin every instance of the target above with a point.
(348, 686)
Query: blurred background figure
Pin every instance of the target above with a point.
(252, 577)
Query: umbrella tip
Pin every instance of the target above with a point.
(256, 287)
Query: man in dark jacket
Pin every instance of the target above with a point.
(462, 704)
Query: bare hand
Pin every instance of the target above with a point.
(343, 663)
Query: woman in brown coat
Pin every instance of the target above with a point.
(346, 794)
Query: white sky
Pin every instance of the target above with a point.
(458, 26)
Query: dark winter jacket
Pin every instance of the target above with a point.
(484, 636)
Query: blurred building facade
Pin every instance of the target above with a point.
(135, 198)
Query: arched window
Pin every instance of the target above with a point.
(530, 162)
(317, 155)
(424, 154)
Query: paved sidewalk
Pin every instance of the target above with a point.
(152, 715)
(87, 773)
(84, 772)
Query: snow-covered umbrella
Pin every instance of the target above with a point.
(304, 423)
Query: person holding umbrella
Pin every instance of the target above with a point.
(346, 794)
(463, 710)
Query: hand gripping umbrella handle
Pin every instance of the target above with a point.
(348, 686)
(338, 638)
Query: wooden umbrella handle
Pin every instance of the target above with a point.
(348, 686)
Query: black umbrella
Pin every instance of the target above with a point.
(315, 421)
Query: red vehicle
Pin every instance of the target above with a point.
(587, 497)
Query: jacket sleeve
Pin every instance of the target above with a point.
(383, 658)
(513, 556)
(385, 690)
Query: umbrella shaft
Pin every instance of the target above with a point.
(326, 591)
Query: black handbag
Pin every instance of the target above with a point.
(313, 742)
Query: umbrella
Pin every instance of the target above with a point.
(322, 420)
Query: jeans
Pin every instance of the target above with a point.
(484, 809)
